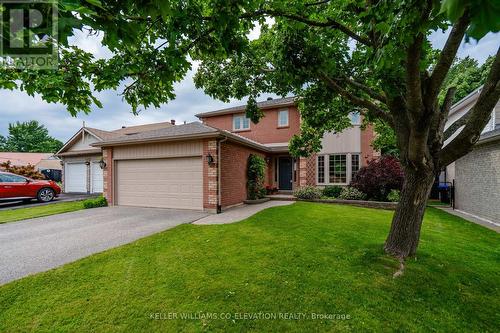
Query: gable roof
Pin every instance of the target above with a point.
(102, 135)
(22, 159)
(190, 131)
(269, 104)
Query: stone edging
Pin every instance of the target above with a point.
(360, 203)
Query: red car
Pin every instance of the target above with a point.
(15, 187)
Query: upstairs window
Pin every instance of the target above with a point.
(283, 118)
(355, 118)
(241, 122)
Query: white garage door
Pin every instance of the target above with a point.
(75, 177)
(97, 180)
(165, 183)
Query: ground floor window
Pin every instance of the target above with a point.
(337, 168)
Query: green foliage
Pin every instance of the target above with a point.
(394, 196)
(256, 168)
(466, 76)
(25, 170)
(332, 191)
(95, 202)
(385, 141)
(307, 193)
(30, 137)
(351, 193)
(485, 15)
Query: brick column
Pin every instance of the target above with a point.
(210, 176)
(367, 151)
(107, 156)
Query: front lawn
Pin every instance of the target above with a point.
(305, 258)
(39, 211)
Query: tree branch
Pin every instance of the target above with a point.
(385, 116)
(372, 93)
(447, 56)
(329, 23)
(456, 125)
(413, 80)
(317, 3)
(479, 117)
(436, 137)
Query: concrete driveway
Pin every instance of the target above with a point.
(37, 245)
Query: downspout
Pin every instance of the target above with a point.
(219, 190)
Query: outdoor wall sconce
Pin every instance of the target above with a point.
(87, 163)
(210, 160)
(102, 164)
(268, 159)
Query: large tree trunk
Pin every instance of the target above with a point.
(405, 229)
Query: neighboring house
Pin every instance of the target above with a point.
(477, 174)
(82, 172)
(41, 161)
(203, 165)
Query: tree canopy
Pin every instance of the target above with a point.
(29, 137)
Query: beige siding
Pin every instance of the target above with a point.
(158, 150)
(349, 141)
(83, 143)
(164, 183)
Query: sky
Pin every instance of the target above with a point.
(18, 106)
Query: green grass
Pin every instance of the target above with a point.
(307, 257)
(39, 211)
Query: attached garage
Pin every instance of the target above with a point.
(75, 175)
(162, 182)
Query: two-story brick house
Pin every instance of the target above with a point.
(203, 165)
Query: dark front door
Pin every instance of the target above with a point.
(285, 173)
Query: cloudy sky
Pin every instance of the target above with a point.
(17, 106)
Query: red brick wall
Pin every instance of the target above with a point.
(367, 151)
(267, 130)
(107, 155)
(234, 159)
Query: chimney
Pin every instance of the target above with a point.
(269, 98)
(124, 126)
(172, 121)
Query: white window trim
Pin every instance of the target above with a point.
(287, 118)
(326, 175)
(242, 116)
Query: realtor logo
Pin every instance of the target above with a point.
(28, 31)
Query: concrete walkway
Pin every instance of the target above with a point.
(239, 213)
(485, 223)
(36, 245)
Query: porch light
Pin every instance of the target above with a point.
(210, 159)
(87, 162)
(268, 159)
(102, 164)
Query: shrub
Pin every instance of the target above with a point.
(94, 203)
(307, 193)
(394, 195)
(26, 170)
(332, 191)
(256, 169)
(379, 177)
(352, 193)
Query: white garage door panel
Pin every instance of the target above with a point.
(75, 177)
(166, 183)
(97, 180)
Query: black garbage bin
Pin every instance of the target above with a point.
(444, 193)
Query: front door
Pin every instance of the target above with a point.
(285, 173)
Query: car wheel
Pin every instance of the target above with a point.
(46, 195)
